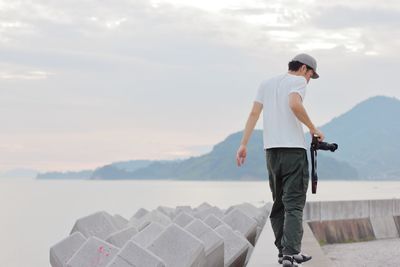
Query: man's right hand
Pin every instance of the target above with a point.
(241, 155)
(318, 133)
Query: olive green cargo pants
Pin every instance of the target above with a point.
(288, 180)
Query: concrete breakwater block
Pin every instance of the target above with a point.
(61, 252)
(203, 213)
(100, 224)
(152, 216)
(148, 234)
(213, 221)
(203, 206)
(251, 211)
(187, 209)
(140, 213)
(94, 253)
(119, 262)
(242, 223)
(120, 221)
(213, 242)
(266, 209)
(133, 255)
(177, 237)
(384, 227)
(258, 232)
(341, 231)
(248, 255)
(170, 212)
(178, 248)
(235, 246)
(119, 238)
(183, 219)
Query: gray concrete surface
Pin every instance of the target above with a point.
(120, 221)
(213, 242)
(350, 209)
(133, 255)
(148, 234)
(94, 253)
(119, 238)
(99, 224)
(183, 219)
(203, 213)
(178, 248)
(213, 221)
(235, 246)
(61, 252)
(265, 253)
(377, 253)
(241, 222)
(384, 227)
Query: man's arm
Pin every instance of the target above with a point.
(250, 124)
(296, 105)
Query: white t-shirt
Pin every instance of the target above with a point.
(281, 127)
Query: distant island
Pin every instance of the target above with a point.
(368, 150)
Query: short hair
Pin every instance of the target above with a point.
(296, 65)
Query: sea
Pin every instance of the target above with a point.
(36, 214)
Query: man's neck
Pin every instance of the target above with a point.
(297, 73)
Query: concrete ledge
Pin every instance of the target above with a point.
(351, 209)
(397, 222)
(341, 231)
(381, 207)
(384, 227)
(312, 211)
(335, 210)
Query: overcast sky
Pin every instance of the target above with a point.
(85, 83)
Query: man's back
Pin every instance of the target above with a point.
(281, 128)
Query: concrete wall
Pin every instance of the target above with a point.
(353, 209)
(355, 220)
(342, 231)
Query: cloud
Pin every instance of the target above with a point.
(341, 17)
(133, 72)
(29, 75)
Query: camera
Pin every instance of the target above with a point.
(317, 145)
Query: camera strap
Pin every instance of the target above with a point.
(314, 175)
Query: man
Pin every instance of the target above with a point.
(281, 99)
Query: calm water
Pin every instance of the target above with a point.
(38, 214)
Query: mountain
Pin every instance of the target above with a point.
(220, 164)
(366, 136)
(131, 165)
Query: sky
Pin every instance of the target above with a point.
(84, 83)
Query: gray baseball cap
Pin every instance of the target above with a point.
(309, 61)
